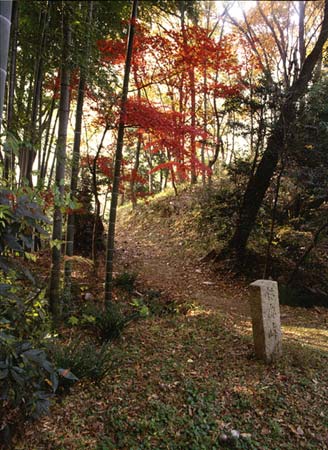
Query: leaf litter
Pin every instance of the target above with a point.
(190, 380)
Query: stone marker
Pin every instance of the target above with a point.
(265, 314)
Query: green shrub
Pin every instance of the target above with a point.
(23, 310)
(161, 306)
(28, 381)
(126, 281)
(83, 359)
(154, 302)
(111, 321)
(26, 374)
(140, 306)
(108, 323)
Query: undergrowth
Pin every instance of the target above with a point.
(84, 359)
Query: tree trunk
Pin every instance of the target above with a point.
(202, 155)
(5, 23)
(73, 187)
(48, 154)
(278, 139)
(135, 172)
(54, 302)
(118, 161)
(301, 28)
(193, 124)
(43, 158)
(136, 166)
(70, 230)
(97, 201)
(218, 142)
(38, 74)
(10, 158)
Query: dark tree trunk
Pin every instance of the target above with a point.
(118, 161)
(76, 158)
(278, 140)
(54, 302)
(202, 154)
(73, 187)
(301, 28)
(256, 190)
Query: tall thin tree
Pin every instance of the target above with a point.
(37, 93)
(5, 23)
(76, 153)
(54, 302)
(10, 156)
(118, 160)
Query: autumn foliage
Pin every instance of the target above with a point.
(164, 111)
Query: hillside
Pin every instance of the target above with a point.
(185, 376)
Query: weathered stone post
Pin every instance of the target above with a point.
(264, 302)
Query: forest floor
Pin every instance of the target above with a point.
(188, 379)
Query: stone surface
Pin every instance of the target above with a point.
(265, 312)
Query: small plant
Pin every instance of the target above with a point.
(84, 360)
(23, 309)
(28, 381)
(126, 281)
(155, 303)
(160, 306)
(141, 307)
(110, 322)
(84, 320)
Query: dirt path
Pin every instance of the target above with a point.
(166, 265)
(164, 262)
